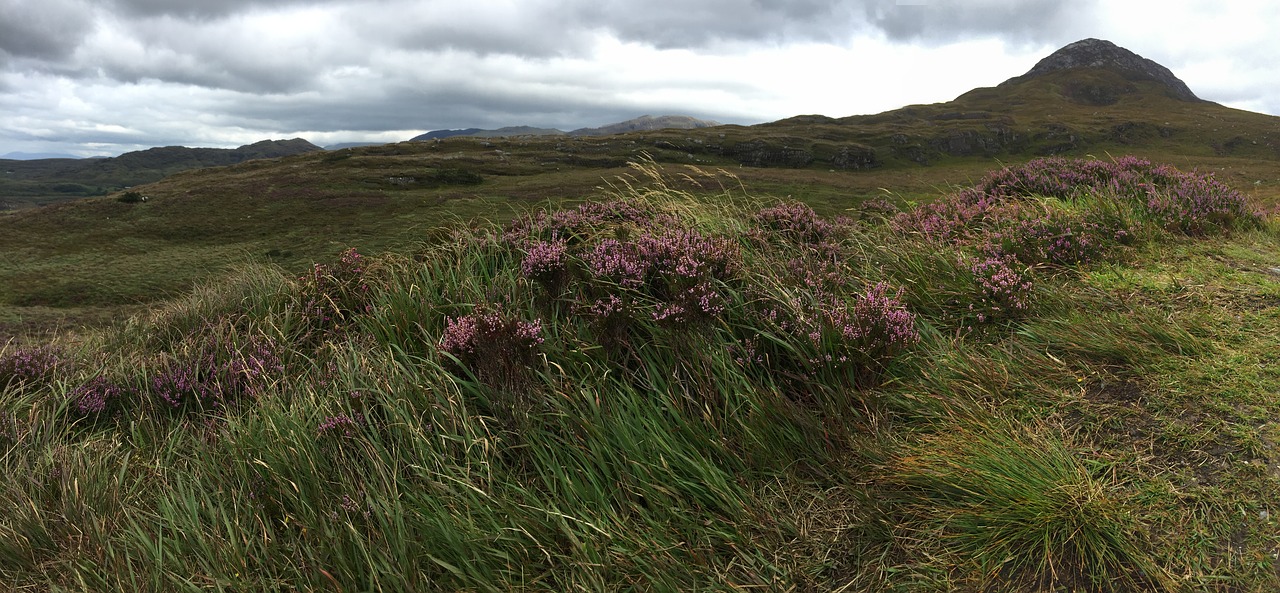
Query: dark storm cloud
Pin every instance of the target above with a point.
(46, 30)
(683, 24)
(205, 43)
(203, 9)
(941, 21)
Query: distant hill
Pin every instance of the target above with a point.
(498, 133)
(88, 177)
(343, 145)
(1099, 54)
(639, 124)
(31, 156)
(1091, 97)
(646, 123)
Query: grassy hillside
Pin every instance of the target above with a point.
(25, 184)
(1058, 378)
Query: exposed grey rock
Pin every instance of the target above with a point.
(855, 157)
(1097, 53)
(758, 153)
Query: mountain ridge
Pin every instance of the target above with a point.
(638, 124)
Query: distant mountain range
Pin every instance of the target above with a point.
(72, 177)
(31, 156)
(639, 124)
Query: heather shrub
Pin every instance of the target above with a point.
(496, 347)
(332, 296)
(98, 397)
(614, 262)
(1054, 237)
(859, 339)
(29, 365)
(1004, 288)
(609, 317)
(831, 337)
(677, 275)
(684, 272)
(1195, 204)
(949, 220)
(585, 221)
(340, 427)
(545, 263)
(795, 222)
(217, 373)
(1189, 203)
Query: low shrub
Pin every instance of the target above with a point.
(497, 348)
(217, 374)
(332, 296)
(29, 365)
(1004, 288)
(98, 397)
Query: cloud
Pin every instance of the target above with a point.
(202, 9)
(44, 30)
(668, 24)
(1021, 21)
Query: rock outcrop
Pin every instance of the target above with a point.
(1097, 53)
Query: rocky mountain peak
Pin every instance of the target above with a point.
(1098, 53)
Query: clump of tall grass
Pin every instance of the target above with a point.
(1013, 508)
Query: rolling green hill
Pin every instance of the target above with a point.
(45, 181)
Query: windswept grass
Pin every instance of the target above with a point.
(672, 389)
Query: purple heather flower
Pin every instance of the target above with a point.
(795, 221)
(545, 260)
(341, 425)
(95, 396)
(490, 343)
(27, 365)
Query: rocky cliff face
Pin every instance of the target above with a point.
(1097, 53)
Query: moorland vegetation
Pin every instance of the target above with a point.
(1060, 376)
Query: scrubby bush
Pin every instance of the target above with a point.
(131, 197)
(1190, 203)
(545, 262)
(493, 345)
(1004, 288)
(794, 221)
(217, 372)
(332, 296)
(97, 397)
(29, 365)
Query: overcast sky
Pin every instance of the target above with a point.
(101, 77)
